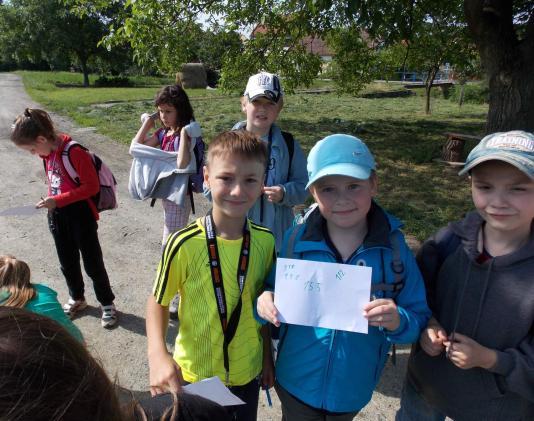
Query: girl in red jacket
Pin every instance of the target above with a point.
(72, 215)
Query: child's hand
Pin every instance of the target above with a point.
(382, 312)
(467, 353)
(165, 375)
(433, 338)
(47, 202)
(266, 308)
(149, 120)
(274, 194)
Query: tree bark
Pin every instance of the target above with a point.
(428, 87)
(508, 61)
(85, 71)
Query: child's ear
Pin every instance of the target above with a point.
(373, 180)
(206, 175)
(41, 140)
(244, 102)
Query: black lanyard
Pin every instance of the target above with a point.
(229, 327)
(269, 148)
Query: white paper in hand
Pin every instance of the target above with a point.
(27, 210)
(214, 390)
(319, 294)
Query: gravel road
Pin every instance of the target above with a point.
(130, 237)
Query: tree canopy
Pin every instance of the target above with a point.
(165, 33)
(47, 31)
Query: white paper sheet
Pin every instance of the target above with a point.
(319, 294)
(27, 210)
(214, 390)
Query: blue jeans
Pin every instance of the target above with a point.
(413, 407)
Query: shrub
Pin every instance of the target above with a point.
(474, 93)
(113, 81)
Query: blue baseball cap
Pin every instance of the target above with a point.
(340, 154)
(515, 147)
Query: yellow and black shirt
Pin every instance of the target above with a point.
(184, 268)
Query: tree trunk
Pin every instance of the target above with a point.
(428, 87)
(511, 105)
(85, 71)
(462, 93)
(509, 63)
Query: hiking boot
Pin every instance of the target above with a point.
(173, 307)
(71, 307)
(109, 316)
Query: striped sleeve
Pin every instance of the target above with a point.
(173, 265)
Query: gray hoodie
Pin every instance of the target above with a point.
(154, 174)
(493, 304)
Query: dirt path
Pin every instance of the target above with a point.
(130, 237)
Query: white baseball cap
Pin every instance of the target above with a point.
(264, 84)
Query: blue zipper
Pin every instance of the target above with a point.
(327, 371)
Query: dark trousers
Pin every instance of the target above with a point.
(75, 231)
(248, 393)
(295, 410)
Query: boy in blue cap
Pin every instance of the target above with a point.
(475, 360)
(331, 374)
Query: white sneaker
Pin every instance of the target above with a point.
(173, 307)
(109, 316)
(71, 307)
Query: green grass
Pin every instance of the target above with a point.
(405, 141)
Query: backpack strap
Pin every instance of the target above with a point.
(161, 134)
(448, 244)
(290, 143)
(190, 190)
(397, 266)
(67, 163)
(291, 240)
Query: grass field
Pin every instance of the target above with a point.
(423, 193)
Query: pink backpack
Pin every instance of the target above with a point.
(106, 198)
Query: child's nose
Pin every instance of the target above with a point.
(499, 199)
(237, 188)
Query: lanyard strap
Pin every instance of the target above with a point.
(269, 148)
(229, 327)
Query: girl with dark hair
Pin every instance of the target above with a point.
(46, 375)
(17, 291)
(72, 215)
(178, 134)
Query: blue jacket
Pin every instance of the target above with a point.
(338, 370)
(279, 217)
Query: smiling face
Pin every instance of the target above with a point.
(236, 183)
(504, 197)
(168, 115)
(261, 114)
(344, 201)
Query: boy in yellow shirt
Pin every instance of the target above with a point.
(217, 264)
